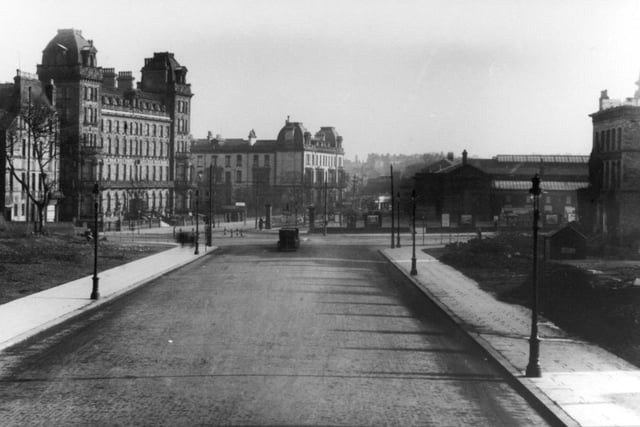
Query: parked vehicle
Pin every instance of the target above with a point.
(289, 239)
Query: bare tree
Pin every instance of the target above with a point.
(33, 151)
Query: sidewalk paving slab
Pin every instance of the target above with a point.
(25, 317)
(581, 384)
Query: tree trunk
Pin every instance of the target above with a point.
(40, 225)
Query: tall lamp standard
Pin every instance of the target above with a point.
(414, 270)
(393, 223)
(324, 227)
(533, 368)
(398, 220)
(196, 252)
(96, 195)
(210, 225)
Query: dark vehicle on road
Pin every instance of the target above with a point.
(289, 239)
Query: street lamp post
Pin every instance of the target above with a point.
(393, 224)
(533, 368)
(210, 225)
(414, 271)
(398, 215)
(196, 252)
(96, 193)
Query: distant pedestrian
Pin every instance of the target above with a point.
(261, 223)
(181, 237)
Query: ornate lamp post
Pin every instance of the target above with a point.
(533, 368)
(414, 271)
(96, 195)
(210, 225)
(324, 227)
(196, 252)
(393, 224)
(398, 215)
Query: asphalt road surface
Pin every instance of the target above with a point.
(328, 335)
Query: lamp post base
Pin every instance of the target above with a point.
(414, 270)
(533, 368)
(533, 371)
(94, 293)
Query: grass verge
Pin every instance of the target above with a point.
(35, 263)
(593, 299)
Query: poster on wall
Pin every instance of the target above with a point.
(445, 220)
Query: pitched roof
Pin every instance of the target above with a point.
(545, 185)
(525, 166)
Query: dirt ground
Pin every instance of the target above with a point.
(596, 299)
(35, 263)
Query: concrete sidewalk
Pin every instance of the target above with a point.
(27, 316)
(581, 383)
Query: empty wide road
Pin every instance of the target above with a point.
(328, 335)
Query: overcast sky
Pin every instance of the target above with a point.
(492, 76)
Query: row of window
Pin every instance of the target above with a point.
(510, 200)
(133, 147)
(90, 115)
(321, 175)
(608, 139)
(133, 128)
(90, 93)
(183, 126)
(181, 146)
(89, 139)
(327, 160)
(34, 149)
(115, 203)
(135, 103)
(239, 158)
(34, 182)
(238, 162)
(118, 172)
(183, 107)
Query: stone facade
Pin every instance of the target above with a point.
(288, 173)
(614, 168)
(32, 153)
(130, 139)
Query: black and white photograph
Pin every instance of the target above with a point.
(320, 213)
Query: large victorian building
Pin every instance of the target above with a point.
(614, 167)
(133, 140)
(296, 171)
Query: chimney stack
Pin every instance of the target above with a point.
(109, 75)
(125, 80)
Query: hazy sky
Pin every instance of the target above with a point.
(491, 76)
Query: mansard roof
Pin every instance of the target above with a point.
(66, 47)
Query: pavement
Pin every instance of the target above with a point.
(25, 317)
(581, 384)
